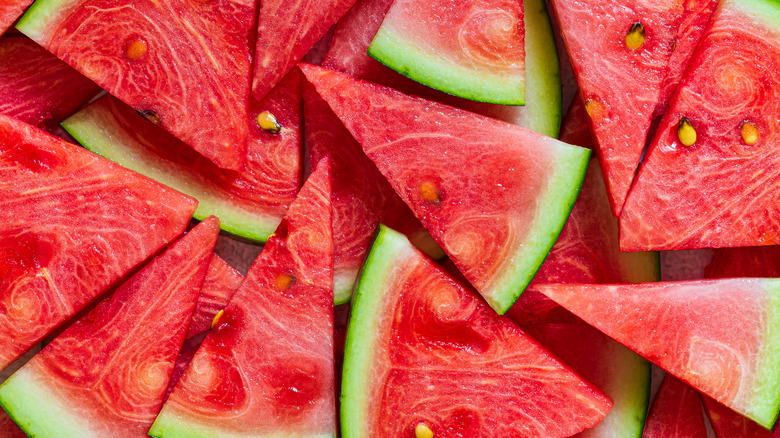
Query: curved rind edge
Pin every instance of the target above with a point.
(634, 389)
(544, 92)
(768, 380)
(38, 16)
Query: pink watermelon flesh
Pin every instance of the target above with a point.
(752, 261)
(587, 250)
(188, 349)
(106, 375)
(696, 335)
(36, 86)
(253, 375)
(694, 22)
(422, 349)
(285, 33)
(9, 429)
(676, 412)
(222, 281)
(459, 172)
(73, 224)
(729, 424)
(10, 10)
(730, 199)
(250, 202)
(620, 85)
(184, 65)
(362, 197)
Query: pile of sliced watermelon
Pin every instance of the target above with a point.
(439, 253)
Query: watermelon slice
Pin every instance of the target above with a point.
(221, 282)
(460, 174)
(106, 375)
(251, 202)
(542, 110)
(696, 335)
(473, 49)
(587, 250)
(752, 261)
(10, 10)
(729, 424)
(728, 99)
(620, 63)
(361, 195)
(676, 412)
(425, 353)
(285, 32)
(622, 374)
(72, 225)
(253, 376)
(183, 65)
(36, 86)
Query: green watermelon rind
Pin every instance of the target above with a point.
(37, 411)
(367, 305)
(766, 11)
(766, 390)
(33, 23)
(555, 204)
(113, 146)
(543, 105)
(631, 394)
(430, 69)
(166, 426)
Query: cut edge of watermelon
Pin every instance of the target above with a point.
(395, 52)
(762, 10)
(543, 91)
(765, 410)
(37, 16)
(111, 146)
(388, 245)
(563, 188)
(29, 393)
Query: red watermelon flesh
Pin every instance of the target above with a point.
(72, 225)
(621, 86)
(253, 375)
(729, 424)
(694, 22)
(36, 86)
(106, 375)
(184, 65)
(285, 33)
(10, 10)
(730, 199)
(459, 173)
(9, 429)
(690, 329)
(676, 412)
(422, 349)
(250, 202)
(751, 261)
(362, 197)
(222, 281)
(575, 128)
(188, 349)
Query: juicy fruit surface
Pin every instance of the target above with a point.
(676, 412)
(696, 335)
(253, 375)
(186, 65)
(414, 331)
(730, 199)
(622, 84)
(250, 202)
(727, 423)
(493, 228)
(285, 32)
(106, 374)
(473, 49)
(221, 282)
(8, 428)
(10, 10)
(36, 86)
(752, 261)
(73, 224)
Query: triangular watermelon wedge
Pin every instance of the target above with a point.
(729, 424)
(722, 337)
(73, 224)
(493, 195)
(106, 375)
(676, 412)
(620, 61)
(285, 32)
(181, 64)
(424, 354)
(707, 180)
(253, 376)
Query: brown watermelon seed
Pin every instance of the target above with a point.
(686, 133)
(150, 115)
(423, 431)
(429, 192)
(749, 133)
(135, 49)
(217, 317)
(635, 37)
(284, 281)
(268, 123)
